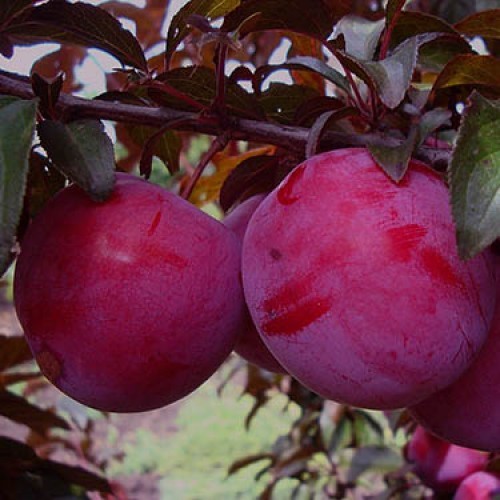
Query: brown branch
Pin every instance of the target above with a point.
(290, 138)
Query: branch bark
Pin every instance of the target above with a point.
(293, 139)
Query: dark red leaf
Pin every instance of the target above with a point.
(12, 8)
(76, 475)
(211, 9)
(309, 17)
(410, 24)
(79, 23)
(13, 351)
(44, 181)
(6, 46)
(248, 460)
(259, 174)
(12, 449)
(280, 101)
(308, 111)
(21, 411)
(47, 91)
(198, 85)
(62, 61)
(485, 24)
(471, 70)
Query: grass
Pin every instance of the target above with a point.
(193, 462)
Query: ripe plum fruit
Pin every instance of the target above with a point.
(355, 284)
(250, 346)
(478, 486)
(441, 465)
(468, 412)
(130, 304)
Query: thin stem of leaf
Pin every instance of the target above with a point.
(386, 39)
(217, 145)
(220, 81)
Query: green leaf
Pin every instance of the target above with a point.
(436, 54)
(167, 147)
(393, 7)
(5, 100)
(17, 125)
(361, 36)
(379, 458)
(82, 151)
(392, 76)
(79, 23)
(394, 160)
(485, 24)
(470, 70)
(21, 411)
(431, 121)
(211, 9)
(309, 17)
(320, 67)
(13, 351)
(474, 176)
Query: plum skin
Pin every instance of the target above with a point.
(441, 465)
(481, 485)
(130, 304)
(250, 346)
(355, 284)
(467, 412)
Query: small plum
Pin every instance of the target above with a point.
(441, 465)
(355, 284)
(130, 304)
(478, 486)
(468, 412)
(250, 345)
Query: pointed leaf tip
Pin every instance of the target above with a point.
(474, 176)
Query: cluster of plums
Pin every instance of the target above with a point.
(450, 469)
(340, 277)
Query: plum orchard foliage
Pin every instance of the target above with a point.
(393, 80)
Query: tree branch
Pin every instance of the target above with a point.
(287, 137)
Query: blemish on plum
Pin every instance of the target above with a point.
(296, 317)
(154, 223)
(175, 260)
(440, 269)
(275, 254)
(285, 193)
(404, 239)
(49, 365)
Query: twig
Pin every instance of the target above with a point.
(294, 139)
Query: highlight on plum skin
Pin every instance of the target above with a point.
(130, 304)
(250, 345)
(478, 486)
(356, 286)
(467, 412)
(439, 464)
